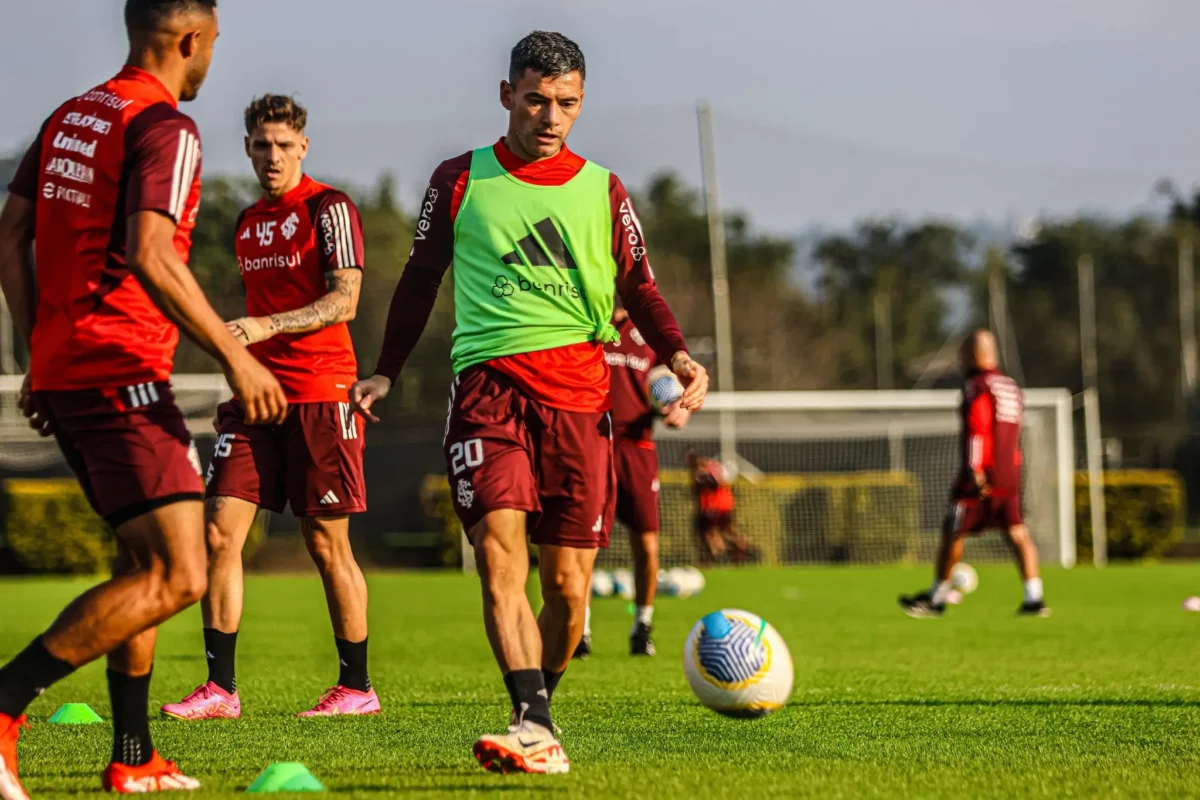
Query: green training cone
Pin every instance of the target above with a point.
(75, 714)
(287, 776)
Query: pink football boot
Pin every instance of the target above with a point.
(209, 701)
(341, 700)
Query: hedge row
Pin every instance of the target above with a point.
(870, 517)
(48, 526)
(1144, 513)
(863, 517)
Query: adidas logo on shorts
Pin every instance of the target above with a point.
(329, 499)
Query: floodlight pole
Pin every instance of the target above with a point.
(720, 282)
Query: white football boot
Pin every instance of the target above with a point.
(527, 747)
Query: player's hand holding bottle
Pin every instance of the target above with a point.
(694, 378)
(256, 387)
(365, 393)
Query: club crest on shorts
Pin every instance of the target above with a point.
(465, 494)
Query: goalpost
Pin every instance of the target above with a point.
(863, 477)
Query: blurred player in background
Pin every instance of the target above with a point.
(630, 361)
(104, 202)
(716, 529)
(300, 252)
(987, 493)
(537, 236)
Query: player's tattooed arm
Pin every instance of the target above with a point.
(339, 304)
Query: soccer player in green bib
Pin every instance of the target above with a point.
(539, 238)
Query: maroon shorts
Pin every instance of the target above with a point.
(973, 515)
(707, 521)
(313, 460)
(637, 485)
(130, 448)
(506, 450)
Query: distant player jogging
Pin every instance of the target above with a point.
(987, 493)
(715, 525)
(104, 202)
(537, 237)
(300, 253)
(630, 361)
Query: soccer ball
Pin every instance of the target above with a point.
(964, 578)
(664, 582)
(623, 583)
(602, 584)
(737, 664)
(695, 579)
(1191, 604)
(677, 582)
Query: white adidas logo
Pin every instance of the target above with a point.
(330, 499)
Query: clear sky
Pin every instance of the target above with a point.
(826, 110)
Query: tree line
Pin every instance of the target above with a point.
(926, 282)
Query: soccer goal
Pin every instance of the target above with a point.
(856, 477)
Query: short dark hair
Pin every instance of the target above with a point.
(547, 52)
(276, 108)
(149, 15)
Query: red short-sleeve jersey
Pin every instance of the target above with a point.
(630, 362)
(711, 484)
(284, 250)
(992, 408)
(120, 148)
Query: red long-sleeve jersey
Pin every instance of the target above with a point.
(992, 408)
(573, 378)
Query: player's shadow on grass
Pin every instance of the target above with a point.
(981, 703)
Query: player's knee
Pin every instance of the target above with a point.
(184, 585)
(568, 587)
(219, 542)
(1019, 536)
(646, 545)
(320, 548)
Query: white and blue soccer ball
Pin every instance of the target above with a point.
(623, 583)
(964, 578)
(737, 664)
(602, 584)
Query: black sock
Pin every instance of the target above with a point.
(131, 718)
(353, 659)
(551, 679)
(220, 649)
(527, 689)
(28, 675)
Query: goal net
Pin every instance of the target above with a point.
(854, 477)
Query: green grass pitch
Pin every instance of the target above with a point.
(1103, 699)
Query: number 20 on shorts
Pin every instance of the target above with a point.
(466, 455)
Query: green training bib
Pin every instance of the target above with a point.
(533, 265)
